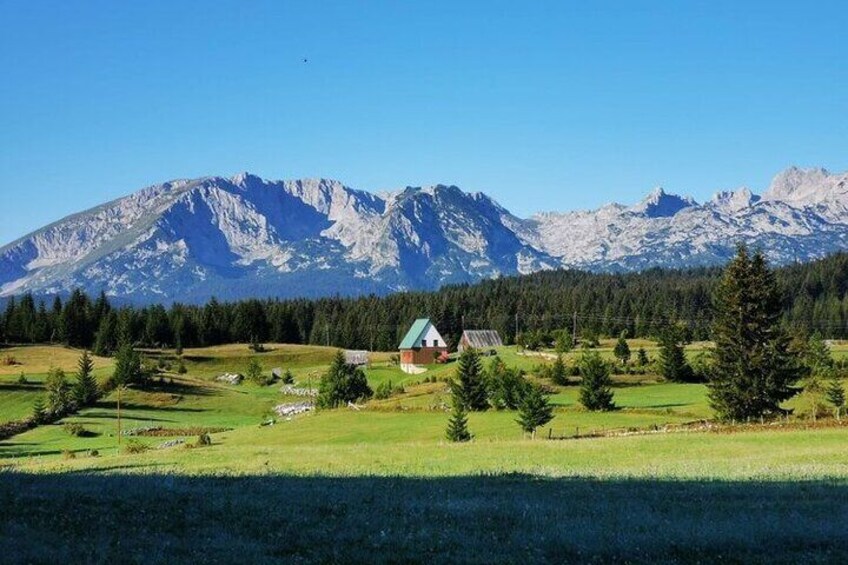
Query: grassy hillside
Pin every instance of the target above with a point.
(372, 483)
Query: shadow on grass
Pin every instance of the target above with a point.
(487, 519)
(21, 387)
(128, 417)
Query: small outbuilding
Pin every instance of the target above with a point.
(481, 340)
(422, 345)
(358, 358)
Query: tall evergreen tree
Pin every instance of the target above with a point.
(559, 374)
(642, 357)
(753, 372)
(622, 350)
(457, 430)
(672, 357)
(127, 366)
(534, 411)
(106, 338)
(595, 387)
(85, 389)
(470, 385)
(836, 394)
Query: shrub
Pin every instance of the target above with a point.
(288, 377)
(181, 368)
(94, 453)
(133, 447)
(254, 374)
(77, 430)
(203, 440)
(68, 454)
(22, 380)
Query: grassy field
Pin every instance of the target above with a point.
(382, 484)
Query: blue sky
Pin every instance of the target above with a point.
(543, 105)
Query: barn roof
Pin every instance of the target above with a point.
(479, 339)
(415, 332)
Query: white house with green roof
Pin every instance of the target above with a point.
(421, 345)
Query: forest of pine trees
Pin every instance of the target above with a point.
(814, 298)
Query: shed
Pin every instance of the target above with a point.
(483, 340)
(421, 346)
(357, 358)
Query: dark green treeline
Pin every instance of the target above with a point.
(814, 298)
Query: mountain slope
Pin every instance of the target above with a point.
(244, 236)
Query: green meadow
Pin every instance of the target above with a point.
(378, 477)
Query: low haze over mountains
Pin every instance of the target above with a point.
(187, 240)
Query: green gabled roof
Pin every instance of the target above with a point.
(414, 333)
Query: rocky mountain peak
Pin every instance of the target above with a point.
(659, 204)
(248, 237)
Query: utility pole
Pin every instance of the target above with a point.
(120, 387)
(574, 329)
(516, 325)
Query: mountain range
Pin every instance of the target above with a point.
(188, 240)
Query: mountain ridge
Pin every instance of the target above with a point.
(189, 239)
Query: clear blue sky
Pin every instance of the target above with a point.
(543, 105)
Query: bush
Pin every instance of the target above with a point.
(181, 368)
(133, 447)
(255, 375)
(203, 440)
(385, 390)
(94, 453)
(68, 454)
(76, 430)
(288, 377)
(22, 380)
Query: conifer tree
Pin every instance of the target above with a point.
(457, 430)
(672, 358)
(753, 372)
(558, 372)
(817, 355)
(595, 391)
(85, 389)
(342, 383)
(622, 350)
(106, 337)
(471, 385)
(39, 411)
(127, 366)
(836, 394)
(534, 411)
(642, 357)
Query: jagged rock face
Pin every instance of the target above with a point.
(188, 240)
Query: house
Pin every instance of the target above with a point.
(421, 346)
(481, 340)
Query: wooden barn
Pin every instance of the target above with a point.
(421, 346)
(481, 340)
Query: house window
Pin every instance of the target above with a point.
(435, 343)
